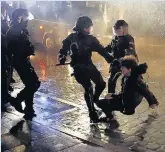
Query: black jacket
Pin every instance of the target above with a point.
(18, 42)
(80, 48)
(4, 57)
(134, 89)
(121, 46)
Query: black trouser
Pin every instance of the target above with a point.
(84, 74)
(4, 80)
(30, 80)
(113, 78)
(110, 105)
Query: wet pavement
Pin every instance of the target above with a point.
(61, 109)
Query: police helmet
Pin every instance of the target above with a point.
(83, 22)
(120, 23)
(19, 12)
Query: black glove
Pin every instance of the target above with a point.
(62, 61)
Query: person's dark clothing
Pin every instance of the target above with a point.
(132, 92)
(119, 47)
(21, 48)
(4, 71)
(80, 47)
(5, 79)
(84, 74)
(86, 45)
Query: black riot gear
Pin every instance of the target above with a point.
(120, 23)
(21, 48)
(83, 22)
(79, 46)
(20, 12)
(120, 46)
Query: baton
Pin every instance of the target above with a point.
(62, 64)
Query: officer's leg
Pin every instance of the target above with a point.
(84, 80)
(31, 82)
(5, 82)
(111, 83)
(4, 89)
(97, 78)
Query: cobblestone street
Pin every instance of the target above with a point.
(62, 122)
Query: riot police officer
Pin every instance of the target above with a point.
(122, 44)
(4, 59)
(79, 45)
(21, 48)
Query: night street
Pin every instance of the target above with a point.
(62, 113)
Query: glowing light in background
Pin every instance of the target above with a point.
(43, 70)
(105, 15)
(69, 32)
(41, 27)
(32, 57)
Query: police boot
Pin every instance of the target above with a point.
(16, 104)
(29, 110)
(29, 116)
(12, 80)
(93, 117)
(29, 113)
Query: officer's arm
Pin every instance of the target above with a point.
(96, 46)
(109, 48)
(63, 51)
(131, 48)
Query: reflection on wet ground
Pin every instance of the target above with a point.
(139, 130)
(59, 81)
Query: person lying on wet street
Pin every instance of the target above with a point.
(122, 44)
(133, 89)
(79, 45)
(21, 48)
